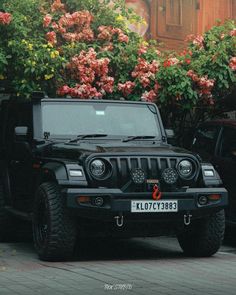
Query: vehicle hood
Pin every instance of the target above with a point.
(84, 149)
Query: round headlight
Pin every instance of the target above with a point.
(185, 168)
(97, 168)
(170, 176)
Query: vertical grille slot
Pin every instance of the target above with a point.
(173, 163)
(144, 166)
(164, 163)
(134, 163)
(154, 165)
(124, 168)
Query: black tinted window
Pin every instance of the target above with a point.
(205, 140)
(228, 143)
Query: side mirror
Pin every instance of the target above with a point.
(170, 134)
(22, 148)
(21, 133)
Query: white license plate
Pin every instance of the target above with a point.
(154, 206)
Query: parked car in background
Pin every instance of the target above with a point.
(215, 142)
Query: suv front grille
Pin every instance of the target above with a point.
(151, 165)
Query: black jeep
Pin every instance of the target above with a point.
(92, 168)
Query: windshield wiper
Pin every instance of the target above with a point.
(82, 136)
(130, 138)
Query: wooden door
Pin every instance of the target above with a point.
(174, 19)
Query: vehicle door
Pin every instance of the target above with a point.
(18, 159)
(226, 165)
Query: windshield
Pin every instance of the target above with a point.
(70, 119)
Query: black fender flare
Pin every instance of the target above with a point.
(53, 171)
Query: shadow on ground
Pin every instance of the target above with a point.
(118, 249)
(123, 249)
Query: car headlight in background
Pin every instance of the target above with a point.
(185, 168)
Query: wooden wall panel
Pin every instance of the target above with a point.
(172, 20)
(212, 10)
(234, 9)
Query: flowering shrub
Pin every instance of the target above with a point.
(84, 49)
(5, 18)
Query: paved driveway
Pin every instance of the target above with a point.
(137, 266)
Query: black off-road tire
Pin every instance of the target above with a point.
(203, 237)
(54, 231)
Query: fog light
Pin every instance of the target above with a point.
(99, 201)
(170, 176)
(202, 200)
(138, 176)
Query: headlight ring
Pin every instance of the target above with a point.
(185, 169)
(100, 169)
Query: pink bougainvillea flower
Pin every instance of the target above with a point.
(108, 47)
(187, 61)
(57, 6)
(170, 62)
(232, 63)
(91, 75)
(142, 50)
(5, 18)
(149, 96)
(51, 37)
(47, 20)
(126, 88)
(233, 32)
(107, 33)
(199, 41)
(123, 38)
(63, 90)
(196, 40)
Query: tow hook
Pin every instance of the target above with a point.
(187, 219)
(119, 220)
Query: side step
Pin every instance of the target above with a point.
(18, 213)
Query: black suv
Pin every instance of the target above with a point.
(103, 168)
(215, 141)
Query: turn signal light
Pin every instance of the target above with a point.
(83, 199)
(214, 197)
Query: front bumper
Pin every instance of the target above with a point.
(116, 202)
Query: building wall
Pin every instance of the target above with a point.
(170, 21)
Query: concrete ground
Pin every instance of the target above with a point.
(136, 266)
